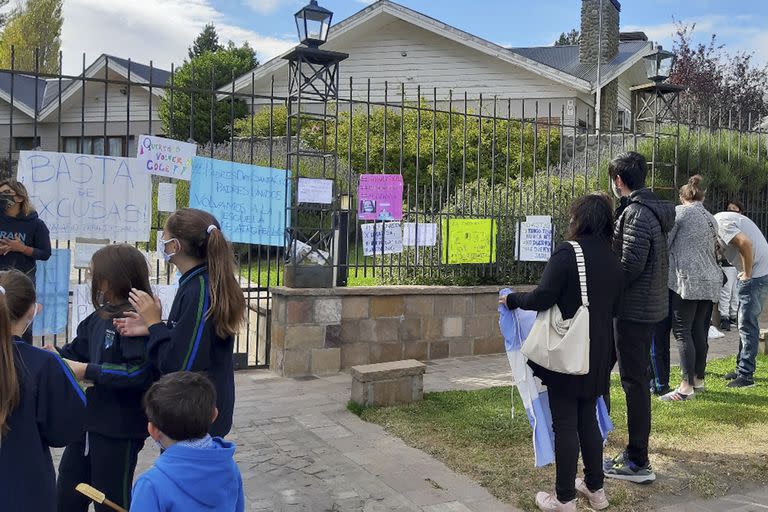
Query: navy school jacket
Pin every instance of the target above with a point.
(188, 342)
(34, 233)
(120, 372)
(51, 413)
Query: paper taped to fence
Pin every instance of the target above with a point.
(534, 241)
(419, 235)
(382, 238)
(52, 289)
(166, 197)
(82, 306)
(469, 241)
(88, 196)
(311, 190)
(84, 251)
(165, 157)
(249, 201)
(380, 197)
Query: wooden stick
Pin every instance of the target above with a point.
(98, 497)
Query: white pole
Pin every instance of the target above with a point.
(598, 123)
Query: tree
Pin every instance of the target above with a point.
(718, 83)
(33, 35)
(195, 100)
(206, 41)
(569, 38)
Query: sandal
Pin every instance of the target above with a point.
(676, 396)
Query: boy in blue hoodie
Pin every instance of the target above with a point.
(195, 472)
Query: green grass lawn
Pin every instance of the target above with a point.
(707, 447)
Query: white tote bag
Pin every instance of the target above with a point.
(562, 345)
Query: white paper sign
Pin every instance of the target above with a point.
(84, 251)
(166, 197)
(88, 196)
(82, 305)
(425, 235)
(382, 238)
(165, 157)
(535, 238)
(315, 191)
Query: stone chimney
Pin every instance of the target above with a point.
(609, 47)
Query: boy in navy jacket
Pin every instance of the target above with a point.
(195, 472)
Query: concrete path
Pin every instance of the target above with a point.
(299, 449)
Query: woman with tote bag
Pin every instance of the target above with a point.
(573, 398)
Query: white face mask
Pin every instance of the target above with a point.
(161, 248)
(615, 189)
(32, 320)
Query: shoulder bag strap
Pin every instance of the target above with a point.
(582, 268)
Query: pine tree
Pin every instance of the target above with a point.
(206, 41)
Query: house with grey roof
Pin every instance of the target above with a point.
(96, 113)
(390, 44)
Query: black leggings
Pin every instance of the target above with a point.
(690, 324)
(574, 422)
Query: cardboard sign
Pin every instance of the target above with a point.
(249, 201)
(380, 197)
(419, 235)
(52, 289)
(166, 197)
(316, 191)
(382, 238)
(165, 157)
(534, 241)
(469, 241)
(89, 196)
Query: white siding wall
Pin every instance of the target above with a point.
(5, 114)
(117, 105)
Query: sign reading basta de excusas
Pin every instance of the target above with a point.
(89, 196)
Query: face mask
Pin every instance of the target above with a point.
(32, 320)
(158, 445)
(100, 298)
(6, 201)
(161, 248)
(615, 190)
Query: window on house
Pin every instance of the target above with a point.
(624, 120)
(114, 146)
(26, 143)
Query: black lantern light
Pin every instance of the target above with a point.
(658, 65)
(312, 23)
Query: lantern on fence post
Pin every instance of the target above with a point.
(316, 241)
(658, 65)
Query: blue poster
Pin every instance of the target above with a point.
(52, 287)
(249, 201)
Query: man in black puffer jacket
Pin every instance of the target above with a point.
(640, 240)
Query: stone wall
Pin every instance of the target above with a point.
(319, 331)
(590, 31)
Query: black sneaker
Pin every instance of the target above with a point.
(741, 382)
(730, 376)
(734, 321)
(624, 469)
(660, 391)
(725, 324)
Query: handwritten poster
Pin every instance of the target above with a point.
(82, 306)
(535, 238)
(249, 201)
(52, 288)
(166, 197)
(469, 241)
(382, 238)
(165, 157)
(421, 235)
(315, 191)
(380, 197)
(89, 196)
(84, 251)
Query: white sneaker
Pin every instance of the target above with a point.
(548, 503)
(597, 500)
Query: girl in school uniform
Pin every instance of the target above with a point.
(206, 314)
(41, 404)
(105, 455)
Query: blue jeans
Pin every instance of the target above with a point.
(752, 296)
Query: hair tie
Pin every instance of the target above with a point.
(2, 290)
(211, 228)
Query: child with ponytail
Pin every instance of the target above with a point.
(207, 312)
(41, 404)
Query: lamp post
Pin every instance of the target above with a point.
(313, 83)
(658, 65)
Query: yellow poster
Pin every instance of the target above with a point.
(469, 241)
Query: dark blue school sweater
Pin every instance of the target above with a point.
(51, 413)
(188, 342)
(120, 372)
(34, 233)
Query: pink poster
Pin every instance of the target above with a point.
(380, 197)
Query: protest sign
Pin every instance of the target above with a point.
(89, 196)
(382, 238)
(166, 197)
(534, 241)
(84, 251)
(249, 201)
(421, 235)
(317, 191)
(82, 306)
(469, 241)
(52, 289)
(165, 157)
(380, 197)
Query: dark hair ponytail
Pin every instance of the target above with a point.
(200, 235)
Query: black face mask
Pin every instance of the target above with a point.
(6, 201)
